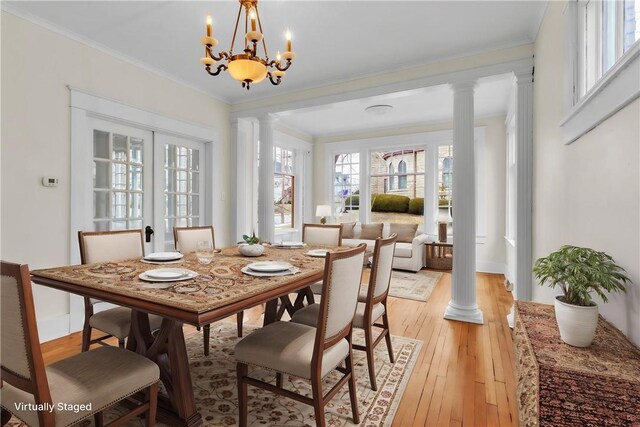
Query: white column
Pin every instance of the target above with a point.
(246, 177)
(265, 179)
(463, 305)
(524, 187)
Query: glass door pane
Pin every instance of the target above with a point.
(180, 172)
(122, 177)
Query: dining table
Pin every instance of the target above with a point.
(219, 290)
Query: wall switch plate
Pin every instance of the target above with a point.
(49, 181)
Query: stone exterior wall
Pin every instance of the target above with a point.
(414, 161)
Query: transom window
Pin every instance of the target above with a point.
(607, 29)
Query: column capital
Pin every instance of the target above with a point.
(523, 76)
(463, 86)
(268, 118)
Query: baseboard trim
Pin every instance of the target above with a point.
(490, 267)
(54, 327)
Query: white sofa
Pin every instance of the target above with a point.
(408, 256)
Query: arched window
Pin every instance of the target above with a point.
(402, 179)
(391, 177)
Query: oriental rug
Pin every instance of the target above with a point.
(415, 286)
(215, 389)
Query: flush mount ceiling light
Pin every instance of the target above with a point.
(379, 109)
(247, 67)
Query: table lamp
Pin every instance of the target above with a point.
(323, 211)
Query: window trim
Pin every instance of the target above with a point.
(617, 88)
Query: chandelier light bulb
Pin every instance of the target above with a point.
(288, 37)
(209, 25)
(252, 16)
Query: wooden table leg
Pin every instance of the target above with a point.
(169, 351)
(6, 416)
(271, 312)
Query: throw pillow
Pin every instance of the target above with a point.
(371, 231)
(347, 229)
(405, 232)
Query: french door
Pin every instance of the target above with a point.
(145, 180)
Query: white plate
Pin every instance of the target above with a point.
(156, 285)
(178, 275)
(269, 266)
(164, 256)
(290, 245)
(146, 261)
(287, 272)
(320, 253)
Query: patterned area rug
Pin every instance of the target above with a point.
(214, 379)
(416, 286)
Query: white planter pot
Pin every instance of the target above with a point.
(251, 250)
(577, 324)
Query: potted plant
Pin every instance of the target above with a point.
(579, 272)
(252, 247)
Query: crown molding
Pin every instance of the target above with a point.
(104, 49)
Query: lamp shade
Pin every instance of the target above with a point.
(323, 210)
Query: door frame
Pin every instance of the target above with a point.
(85, 105)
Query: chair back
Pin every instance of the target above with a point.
(322, 234)
(380, 278)
(186, 238)
(340, 289)
(105, 246)
(22, 365)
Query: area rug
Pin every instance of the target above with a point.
(416, 286)
(214, 381)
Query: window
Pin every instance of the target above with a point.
(607, 29)
(404, 202)
(346, 186)
(445, 185)
(283, 188)
(402, 179)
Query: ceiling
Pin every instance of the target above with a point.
(419, 106)
(334, 40)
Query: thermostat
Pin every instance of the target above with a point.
(49, 181)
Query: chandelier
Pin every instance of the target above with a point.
(248, 67)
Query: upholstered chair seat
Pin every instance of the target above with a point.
(106, 375)
(117, 321)
(288, 347)
(85, 384)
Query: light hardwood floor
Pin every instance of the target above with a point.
(464, 375)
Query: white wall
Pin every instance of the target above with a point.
(491, 253)
(37, 65)
(586, 193)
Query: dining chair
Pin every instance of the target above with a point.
(372, 305)
(306, 351)
(323, 235)
(107, 246)
(186, 240)
(99, 377)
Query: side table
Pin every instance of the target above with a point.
(439, 256)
